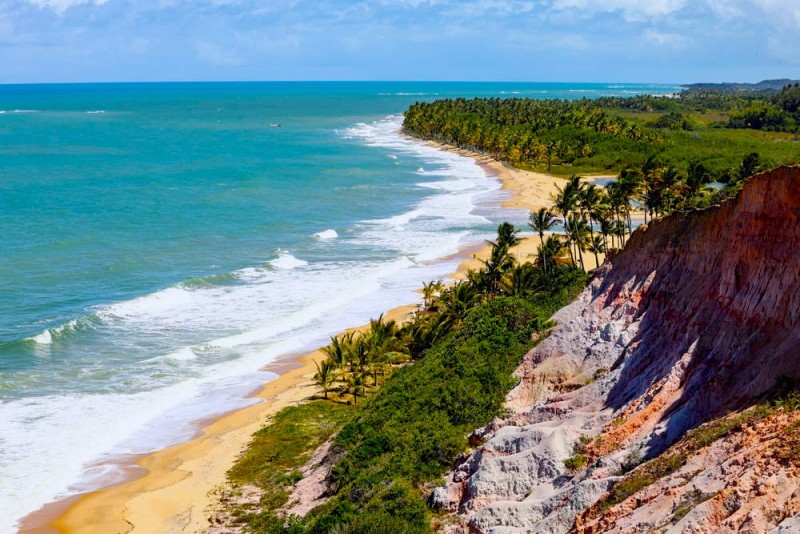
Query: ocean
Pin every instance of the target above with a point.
(161, 243)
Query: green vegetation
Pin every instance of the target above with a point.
(276, 452)
(401, 437)
(608, 135)
(576, 462)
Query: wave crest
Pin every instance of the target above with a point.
(286, 261)
(327, 234)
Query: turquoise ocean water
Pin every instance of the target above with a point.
(161, 243)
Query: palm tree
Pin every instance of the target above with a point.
(495, 267)
(596, 246)
(542, 221)
(564, 202)
(619, 202)
(652, 190)
(577, 232)
(605, 228)
(381, 340)
(361, 355)
(520, 280)
(338, 349)
(506, 236)
(618, 229)
(551, 252)
(696, 177)
(421, 333)
(591, 199)
(628, 187)
(670, 178)
(326, 375)
(429, 292)
(355, 385)
(457, 300)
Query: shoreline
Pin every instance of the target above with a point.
(172, 490)
(178, 483)
(529, 190)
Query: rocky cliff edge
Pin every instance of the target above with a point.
(695, 321)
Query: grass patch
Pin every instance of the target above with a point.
(576, 462)
(643, 477)
(276, 452)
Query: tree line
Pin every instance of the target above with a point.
(594, 136)
(521, 130)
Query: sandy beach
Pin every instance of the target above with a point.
(178, 488)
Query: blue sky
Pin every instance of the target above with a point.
(516, 40)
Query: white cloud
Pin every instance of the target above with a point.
(634, 10)
(60, 6)
(667, 39)
(782, 12)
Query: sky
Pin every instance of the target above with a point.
(661, 41)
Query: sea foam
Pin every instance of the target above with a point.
(285, 260)
(327, 234)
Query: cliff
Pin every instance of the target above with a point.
(696, 320)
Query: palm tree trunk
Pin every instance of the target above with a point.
(571, 254)
(630, 222)
(544, 256)
(569, 238)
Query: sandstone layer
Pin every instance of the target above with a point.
(698, 318)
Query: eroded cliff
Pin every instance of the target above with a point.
(696, 320)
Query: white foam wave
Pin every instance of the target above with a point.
(159, 304)
(45, 338)
(449, 185)
(435, 226)
(251, 274)
(182, 355)
(17, 111)
(286, 261)
(327, 234)
(391, 156)
(96, 112)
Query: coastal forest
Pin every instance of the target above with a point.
(704, 133)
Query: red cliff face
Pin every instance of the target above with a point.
(725, 288)
(698, 317)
